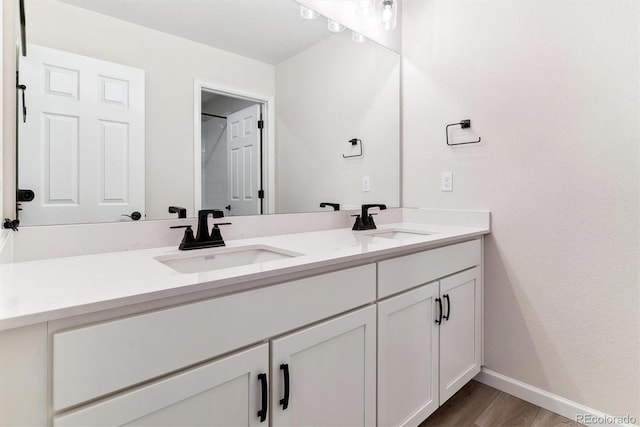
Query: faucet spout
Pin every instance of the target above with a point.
(202, 235)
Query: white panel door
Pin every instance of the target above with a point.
(81, 149)
(227, 392)
(460, 331)
(408, 357)
(243, 158)
(332, 373)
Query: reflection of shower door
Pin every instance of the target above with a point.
(81, 149)
(243, 158)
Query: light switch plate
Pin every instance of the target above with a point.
(366, 184)
(446, 181)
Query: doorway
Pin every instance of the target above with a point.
(231, 153)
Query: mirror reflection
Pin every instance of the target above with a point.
(133, 107)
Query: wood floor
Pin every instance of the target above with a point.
(478, 405)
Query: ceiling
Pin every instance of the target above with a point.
(267, 30)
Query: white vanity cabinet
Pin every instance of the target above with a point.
(227, 392)
(408, 357)
(357, 346)
(429, 337)
(326, 375)
(322, 375)
(460, 331)
(124, 357)
(102, 358)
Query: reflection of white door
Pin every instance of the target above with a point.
(243, 158)
(81, 149)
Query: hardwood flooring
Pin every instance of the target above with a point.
(478, 405)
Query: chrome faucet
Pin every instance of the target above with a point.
(203, 238)
(364, 221)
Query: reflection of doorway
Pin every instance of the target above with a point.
(244, 162)
(230, 156)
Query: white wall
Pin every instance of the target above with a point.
(355, 88)
(171, 64)
(553, 89)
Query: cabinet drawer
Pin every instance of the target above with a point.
(224, 392)
(399, 274)
(96, 360)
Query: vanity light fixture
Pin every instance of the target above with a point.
(357, 37)
(335, 27)
(307, 13)
(389, 16)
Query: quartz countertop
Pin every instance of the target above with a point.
(40, 291)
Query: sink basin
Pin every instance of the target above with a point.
(398, 234)
(219, 258)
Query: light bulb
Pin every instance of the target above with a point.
(335, 27)
(388, 15)
(307, 13)
(357, 37)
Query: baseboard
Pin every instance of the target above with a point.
(551, 402)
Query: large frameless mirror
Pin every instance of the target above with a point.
(150, 109)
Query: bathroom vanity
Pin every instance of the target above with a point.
(351, 328)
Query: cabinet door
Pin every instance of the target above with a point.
(460, 333)
(408, 357)
(331, 370)
(226, 392)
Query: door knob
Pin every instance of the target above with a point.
(134, 215)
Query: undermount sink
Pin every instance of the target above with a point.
(399, 234)
(219, 258)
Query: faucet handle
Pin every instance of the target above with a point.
(216, 236)
(220, 223)
(358, 225)
(188, 236)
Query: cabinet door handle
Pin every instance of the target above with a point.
(285, 400)
(446, 317)
(439, 319)
(262, 413)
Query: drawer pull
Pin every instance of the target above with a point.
(446, 317)
(285, 400)
(262, 413)
(439, 319)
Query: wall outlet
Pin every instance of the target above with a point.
(366, 184)
(446, 181)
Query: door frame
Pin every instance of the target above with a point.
(268, 135)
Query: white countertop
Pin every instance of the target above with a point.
(39, 291)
